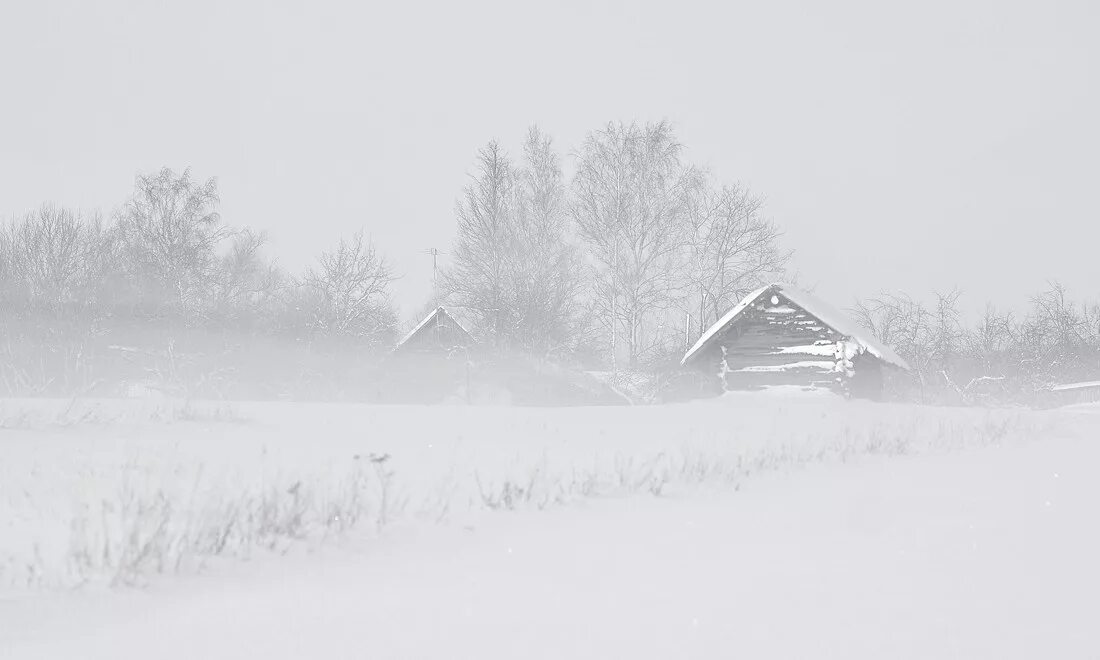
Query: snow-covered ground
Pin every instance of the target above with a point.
(742, 527)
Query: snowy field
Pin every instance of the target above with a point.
(748, 526)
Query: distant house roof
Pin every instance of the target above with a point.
(823, 312)
(434, 319)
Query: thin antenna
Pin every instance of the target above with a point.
(435, 264)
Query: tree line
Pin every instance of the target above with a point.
(627, 261)
(1003, 357)
(622, 264)
(641, 251)
(166, 254)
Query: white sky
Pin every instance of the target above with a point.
(916, 147)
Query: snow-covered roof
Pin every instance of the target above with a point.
(428, 319)
(722, 322)
(1076, 386)
(835, 320)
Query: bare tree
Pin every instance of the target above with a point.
(170, 231)
(350, 289)
(902, 323)
(945, 341)
(989, 341)
(997, 359)
(733, 249)
(1091, 324)
(513, 266)
(7, 267)
(59, 256)
(243, 280)
(11, 280)
(631, 195)
(478, 280)
(545, 267)
(1055, 337)
(1064, 326)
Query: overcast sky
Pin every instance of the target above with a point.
(918, 147)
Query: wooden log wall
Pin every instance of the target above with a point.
(773, 344)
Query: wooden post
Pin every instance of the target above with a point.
(687, 330)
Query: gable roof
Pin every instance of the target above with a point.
(833, 319)
(436, 314)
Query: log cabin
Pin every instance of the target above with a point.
(780, 336)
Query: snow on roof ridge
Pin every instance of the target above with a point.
(419, 326)
(825, 313)
(841, 323)
(729, 316)
(1083, 385)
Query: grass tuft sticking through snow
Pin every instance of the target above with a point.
(22, 414)
(145, 530)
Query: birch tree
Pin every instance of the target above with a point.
(630, 198)
(513, 266)
(546, 273)
(478, 277)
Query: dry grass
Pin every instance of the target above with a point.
(32, 414)
(145, 528)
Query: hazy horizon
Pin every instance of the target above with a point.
(598, 451)
(914, 149)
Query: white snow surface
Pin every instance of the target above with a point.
(814, 306)
(826, 365)
(964, 533)
(825, 350)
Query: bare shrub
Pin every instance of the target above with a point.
(1002, 359)
(348, 292)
